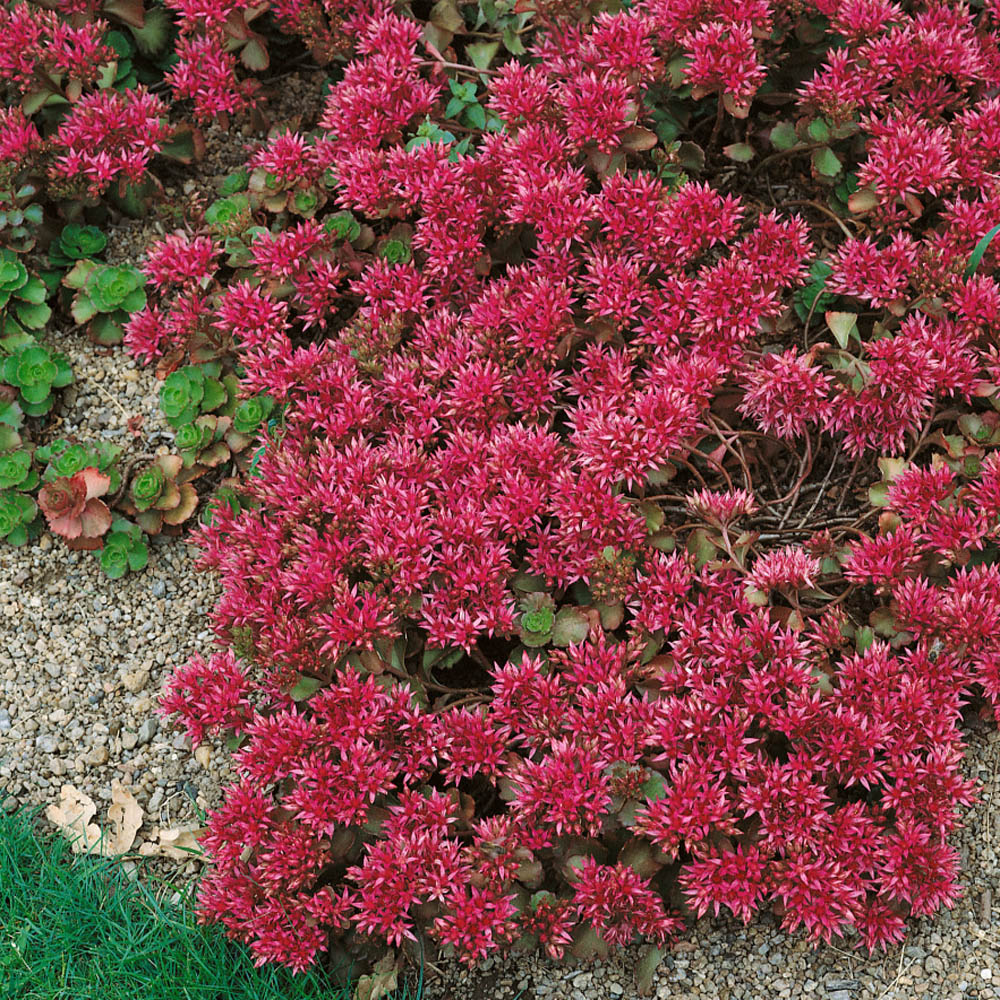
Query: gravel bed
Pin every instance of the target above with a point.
(82, 657)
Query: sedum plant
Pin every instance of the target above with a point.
(195, 390)
(18, 513)
(124, 550)
(106, 295)
(74, 510)
(34, 371)
(76, 242)
(22, 296)
(156, 498)
(17, 471)
(65, 458)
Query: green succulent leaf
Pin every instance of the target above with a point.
(251, 413)
(15, 469)
(237, 181)
(147, 487)
(343, 226)
(76, 242)
(395, 252)
(108, 286)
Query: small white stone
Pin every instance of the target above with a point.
(987, 974)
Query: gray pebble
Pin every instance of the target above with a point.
(147, 731)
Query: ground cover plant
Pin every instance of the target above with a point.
(77, 926)
(622, 541)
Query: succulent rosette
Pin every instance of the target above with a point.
(229, 216)
(72, 507)
(251, 413)
(22, 295)
(208, 442)
(106, 294)
(157, 499)
(35, 371)
(17, 511)
(65, 458)
(17, 471)
(124, 550)
(75, 243)
(194, 390)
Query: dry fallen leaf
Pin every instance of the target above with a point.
(126, 816)
(75, 809)
(178, 843)
(72, 814)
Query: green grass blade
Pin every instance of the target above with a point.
(981, 247)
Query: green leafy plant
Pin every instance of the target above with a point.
(124, 550)
(343, 226)
(35, 371)
(19, 217)
(429, 131)
(229, 216)
(75, 243)
(105, 296)
(237, 181)
(125, 77)
(464, 107)
(22, 296)
(227, 496)
(251, 413)
(197, 389)
(156, 498)
(208, 442)
(18, 512)
(66, 458)
(17, 471)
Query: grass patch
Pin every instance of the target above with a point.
(77, 928)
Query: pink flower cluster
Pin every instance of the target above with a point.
(105, 135)
(493, 421)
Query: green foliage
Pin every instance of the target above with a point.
(17, 471)
(22, 296)
(343, 226)
(538, 615)
(78, 927)
(124, 550)
(465, 108)
(237, 181)
(35, 371)
(194, 390)
(17, 512)
(227, 495)
(813, 297)
(105, 296)
(395, 252)
(229, 216)
(125, 77)
(63, 458)
(149, 487)
(981, 247)
(20, 215)
(251, 413)
(75, 243)
(429, 131)
(157, 498)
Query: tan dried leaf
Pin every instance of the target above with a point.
(75, 810)
(72, 814)
(180, 844)
(125, 814)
